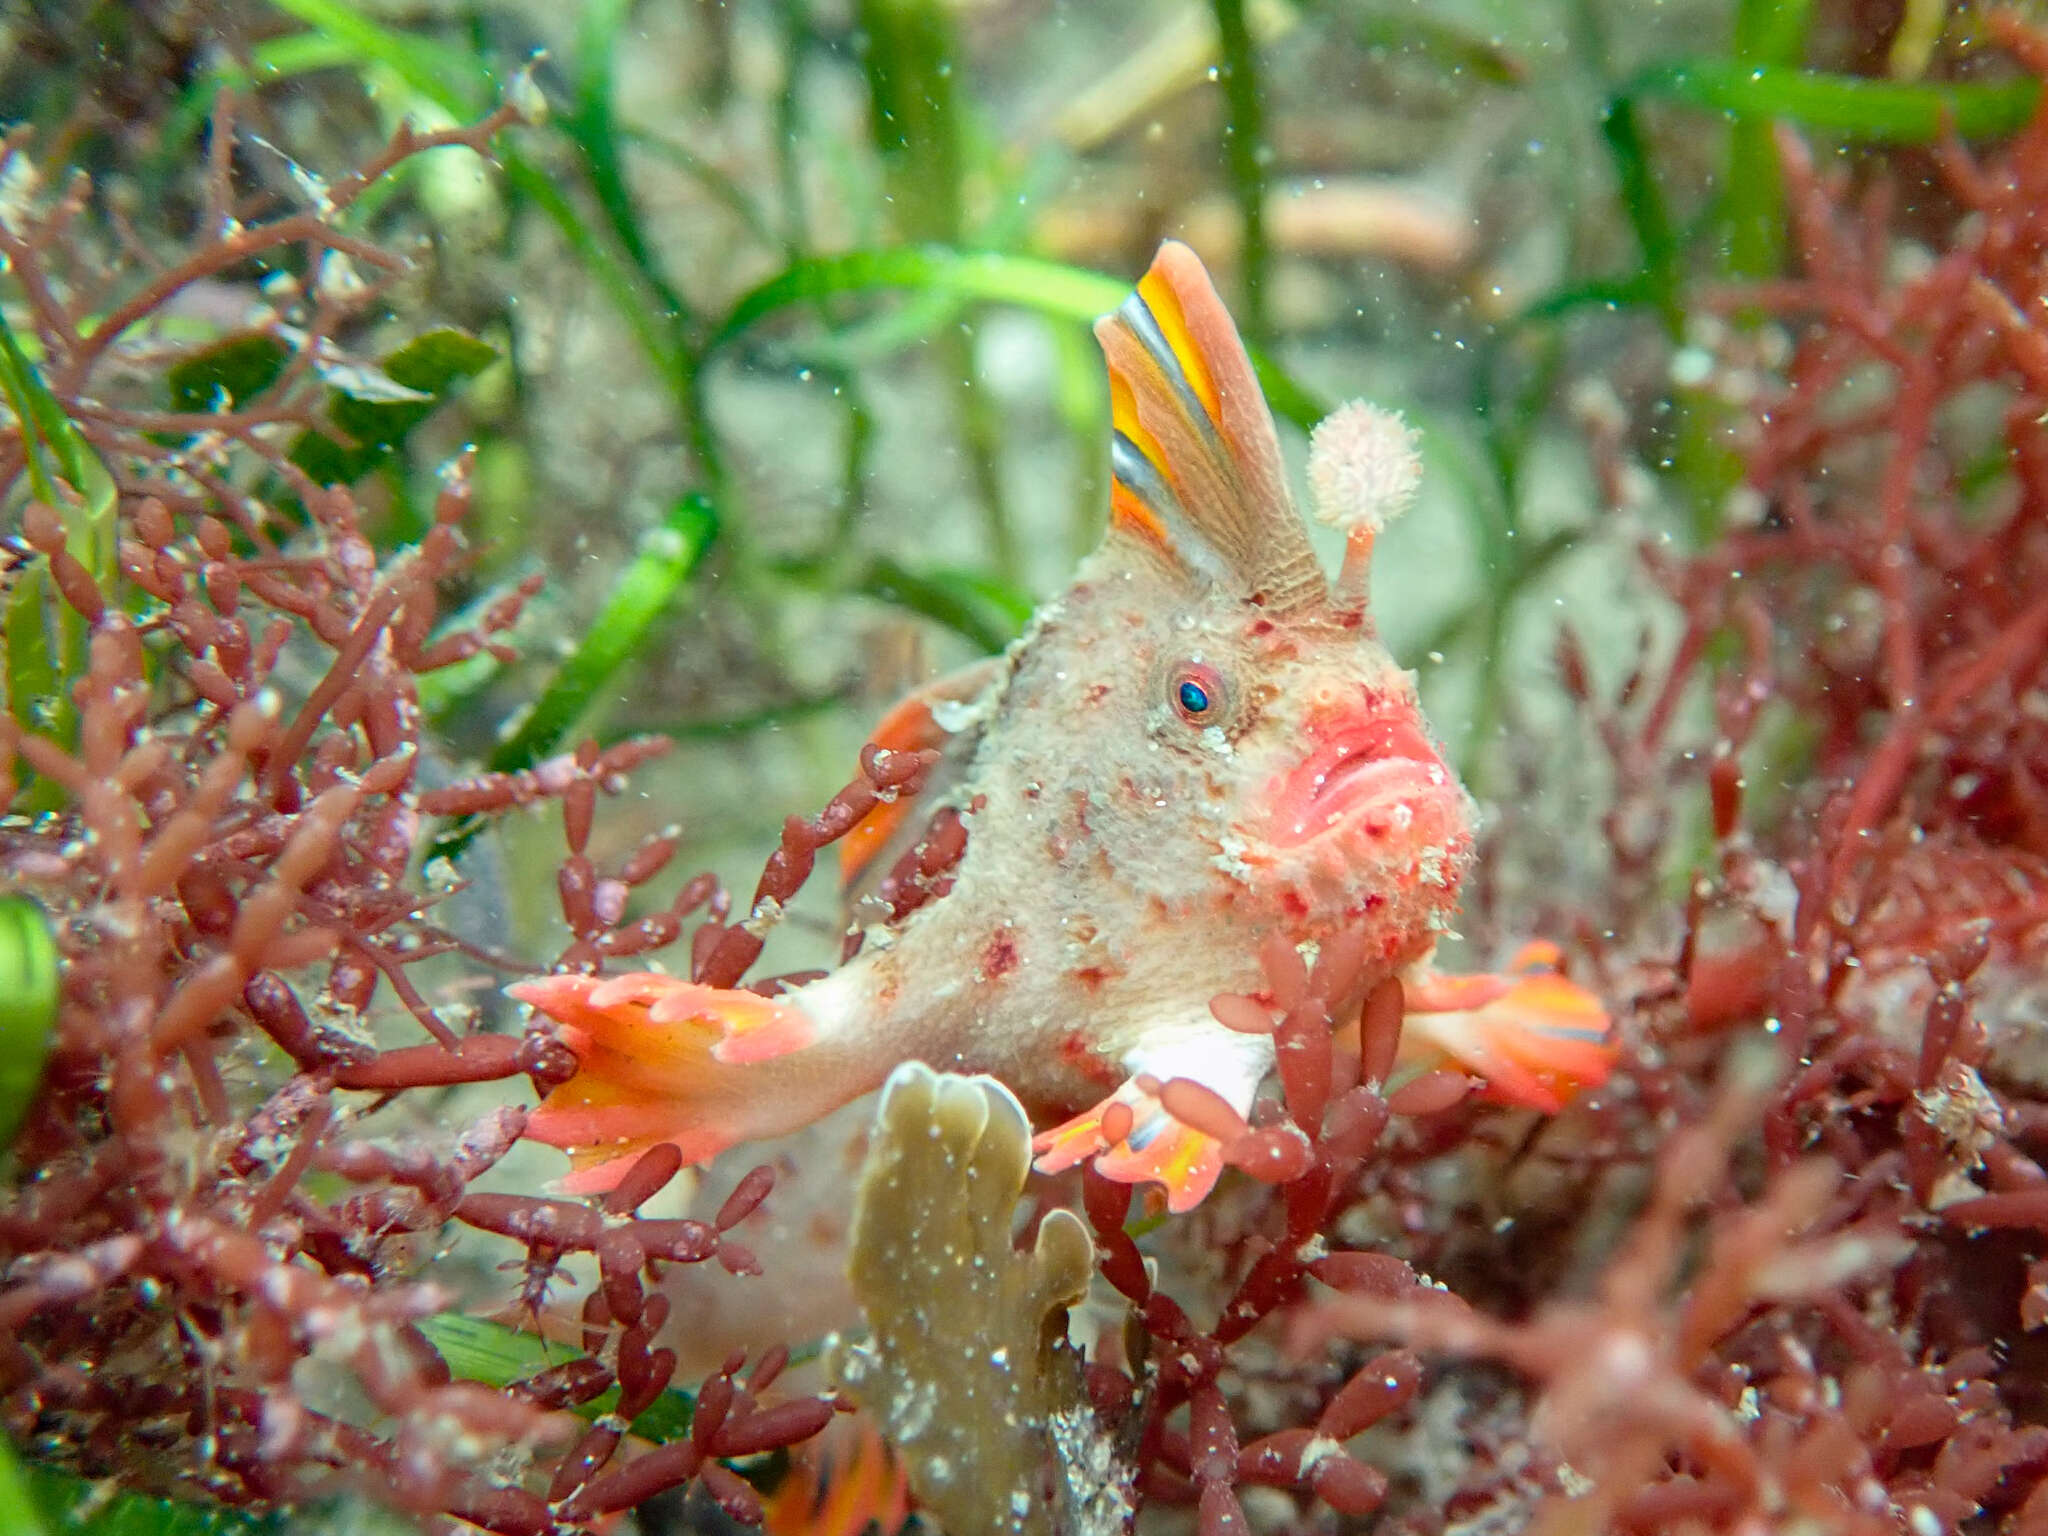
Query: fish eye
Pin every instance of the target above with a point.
(1197, 693)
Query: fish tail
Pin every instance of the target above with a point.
(663, 1060)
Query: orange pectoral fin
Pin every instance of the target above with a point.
(1536, 1038)
(847, 1482)
(1133, 1140)
(1183, 1160)
(909, 726)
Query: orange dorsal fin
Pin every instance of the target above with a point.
(1195, 463)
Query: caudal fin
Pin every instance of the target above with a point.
(657, 1059)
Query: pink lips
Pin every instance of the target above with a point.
(1360, 763)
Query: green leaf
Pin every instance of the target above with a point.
(48, 641)
(433, 365)
(28, 1007)
(1071, 293)
(480, 1350)
(1771, 31)
(1050, 288)
(228, 374)
(73, 1506)
(34, 683)
(1244, 157)
(617, 276)
(454, 79)
(645, 591)
(18, 1513)
(1408, 32)
(988, 612)
(1291, 400)
(1642, 198)
(462, 85)
(1890, 111)
(48, 431)
(915, 112)
(593, 130)
(668, 556)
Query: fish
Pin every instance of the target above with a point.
(1201, 742)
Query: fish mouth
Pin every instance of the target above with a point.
(1366, 772)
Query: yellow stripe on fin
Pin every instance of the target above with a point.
(1164, 303)
(1123, 418)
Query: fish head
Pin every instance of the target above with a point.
(1251, 738)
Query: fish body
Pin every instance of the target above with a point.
(1201, 742)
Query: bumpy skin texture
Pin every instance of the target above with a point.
(1127, 859)
(1197, 744)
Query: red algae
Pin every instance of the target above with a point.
(213, 1266)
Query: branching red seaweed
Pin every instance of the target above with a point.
(210, 1272)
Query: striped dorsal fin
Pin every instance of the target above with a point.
(1194, 460)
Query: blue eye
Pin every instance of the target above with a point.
(1198, 693)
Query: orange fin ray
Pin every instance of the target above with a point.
(847, 1482)
(1154, 1148)
(1536, 1037)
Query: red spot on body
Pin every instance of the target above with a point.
(1077, 1054)
(1093, 976)
(999, 956)
(1096, 693)
(1294, 903)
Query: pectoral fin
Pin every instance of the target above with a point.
(1536, 1037)
(1135, 1140)
(919, 721)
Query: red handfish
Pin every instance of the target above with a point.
(1199, 743)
